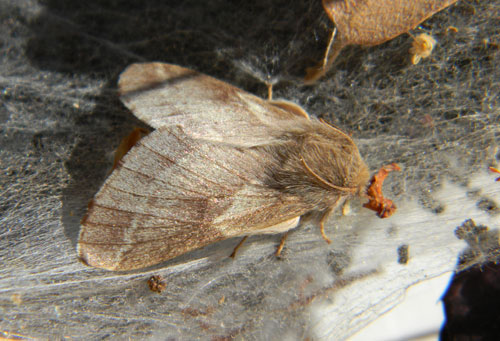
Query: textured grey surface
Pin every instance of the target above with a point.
(60, 121)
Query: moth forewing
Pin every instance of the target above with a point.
(171, 194)
(177, 190)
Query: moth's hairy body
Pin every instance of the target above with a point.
(221, 163)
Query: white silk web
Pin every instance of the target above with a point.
(61, 120)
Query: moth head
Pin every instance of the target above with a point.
(361, 179)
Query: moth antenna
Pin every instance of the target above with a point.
(326, 183)
(337, 130)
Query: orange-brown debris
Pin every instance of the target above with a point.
(383, 206)
(156, 283)
(127, 143)
(494, 170)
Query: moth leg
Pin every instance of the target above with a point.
(285, 105)
(315, 72)
(322, 221)
(282, 244)
(333, 49)
(328, 48)
(346, 208)
(284, 226)
(269, 91)
(127, 144)
(233, 254)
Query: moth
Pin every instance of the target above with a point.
(221, 163)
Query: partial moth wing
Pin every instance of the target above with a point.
(171, 194)
(164, 95)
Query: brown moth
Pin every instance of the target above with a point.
(221, 163)
(371, 22)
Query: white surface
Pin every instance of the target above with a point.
(380, 281)
(421, 313)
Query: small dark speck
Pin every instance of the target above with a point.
(156, 284)
(403, 254)
(37, 141)
(488, 206)
(438, 209)
(338, 261)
